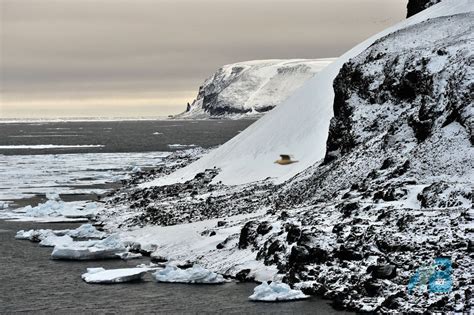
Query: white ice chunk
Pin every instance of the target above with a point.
(128, 255)
(52, 196)
(196, 274)
(55, 207)
(276, 292)
(86, 231)
(136, 169)
(32, 235)
(52, 240)
(100, 275)
(89, 250)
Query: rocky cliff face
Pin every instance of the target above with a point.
(398, 171)
(251, 88)
(415, 6)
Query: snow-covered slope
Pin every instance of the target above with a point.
(247, 89)
(299, 126)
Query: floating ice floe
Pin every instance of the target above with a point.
(88, 250)
(274, 292)
(195, 274)
(100, 275)
(32, 235)
(83, 231)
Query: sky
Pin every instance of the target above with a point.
(140, 58)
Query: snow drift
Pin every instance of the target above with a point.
(299, 126)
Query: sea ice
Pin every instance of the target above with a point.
(48, 237)
(89, 250)
(195, 274)
(32, 235)
(100, 275)
(55, 207)
(52, 240)
(128, 255)
(86, 231)
(276, 292)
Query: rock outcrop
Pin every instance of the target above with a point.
(416, 6)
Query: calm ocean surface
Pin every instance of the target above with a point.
(33, 283)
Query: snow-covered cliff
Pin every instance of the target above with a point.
(247, 89)
(298, 126)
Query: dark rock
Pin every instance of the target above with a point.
(221, 223)
(264, 227)
(394, 301)
(383, 271)
(344, 253)
(302, 255)
(348, 208)
(294, 233)
(416, 6)
(372, 287)
(248, 234)
(386, 164)
(242, 276)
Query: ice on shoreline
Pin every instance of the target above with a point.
(100, 275)
(108, 248)
(194, 275)
(86, 231)
(275, 292)
(181, 146)
(83, 231)
(52, 240)
(55, 209)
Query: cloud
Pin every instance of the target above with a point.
(114, 49)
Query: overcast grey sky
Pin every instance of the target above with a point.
(148, 57)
